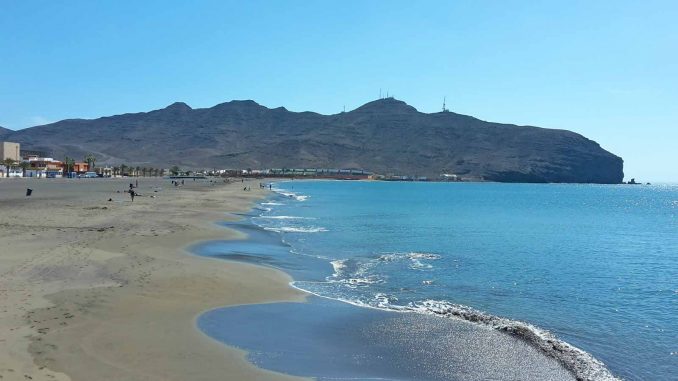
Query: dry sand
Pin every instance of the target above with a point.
(99, 290)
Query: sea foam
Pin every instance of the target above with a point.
(582, 364)
(293, 195)
(295, 229)
(286, 218)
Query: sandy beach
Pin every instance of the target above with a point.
(92, 289)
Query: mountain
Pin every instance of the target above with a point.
(386, 136)
(4, 132)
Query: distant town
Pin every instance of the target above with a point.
(17, 162)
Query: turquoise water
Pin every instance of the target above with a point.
(597, 266)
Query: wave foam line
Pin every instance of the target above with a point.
(291, 229)
(291, 194)
(582, 364)
(285, 218)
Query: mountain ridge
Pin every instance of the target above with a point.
(386, 136)
(4, 131)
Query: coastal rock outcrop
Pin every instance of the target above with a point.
(386, 136)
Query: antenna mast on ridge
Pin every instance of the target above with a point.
(445, 108)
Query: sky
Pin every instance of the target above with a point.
(605, 69)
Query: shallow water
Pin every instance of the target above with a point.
(595, 265)
(331, 340)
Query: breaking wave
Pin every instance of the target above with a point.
(285, 218)
(353, 274)
(339, 266)
(293, 195)
(292, 229)
(417, 260)
(582, 364)
(391, 257)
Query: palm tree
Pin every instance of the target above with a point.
(24, 166)
(9, 163)
(91, 160)
(69, 164)
(122, 169)
(174, 171)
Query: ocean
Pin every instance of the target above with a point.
(584, 275)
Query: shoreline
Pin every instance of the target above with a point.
(323, 321)
(107, 291)
(579, 363)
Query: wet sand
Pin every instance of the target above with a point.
(99, 290)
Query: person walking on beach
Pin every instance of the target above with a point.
(132, 194)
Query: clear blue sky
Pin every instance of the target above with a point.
(605, 69)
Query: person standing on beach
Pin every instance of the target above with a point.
(132, 194)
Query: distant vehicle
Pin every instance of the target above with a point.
(89, 175)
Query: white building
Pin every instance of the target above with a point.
(11, 172)
(43, 167)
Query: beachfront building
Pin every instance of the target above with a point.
(104, 171)
(44, 167)
(255, 172)
(11, 172)
(9, 150)
(80, 167)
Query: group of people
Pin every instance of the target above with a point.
(261, 186)
(133, 193)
